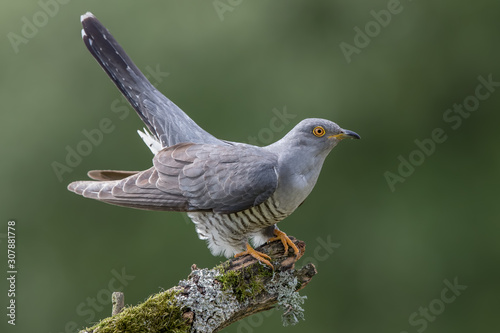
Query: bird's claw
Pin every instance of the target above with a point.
(261, 257)
(281, 236)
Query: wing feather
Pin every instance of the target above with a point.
(193, 177)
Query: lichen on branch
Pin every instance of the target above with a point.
(211, 299)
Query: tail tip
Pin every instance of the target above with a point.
(86, 16)
(71, 186)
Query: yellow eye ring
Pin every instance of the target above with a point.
(319, 131)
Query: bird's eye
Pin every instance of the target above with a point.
(319, 131)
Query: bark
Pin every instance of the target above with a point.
(211, 299)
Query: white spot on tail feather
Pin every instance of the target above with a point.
(86, 16)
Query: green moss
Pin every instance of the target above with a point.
(144, 317)
(244, 284)
(223, 266)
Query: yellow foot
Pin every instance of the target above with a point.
(280, 235)
(262, 257)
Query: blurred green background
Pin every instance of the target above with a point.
(233, 67)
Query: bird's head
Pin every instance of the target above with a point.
(318, 135)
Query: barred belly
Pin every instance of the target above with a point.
(227, 234)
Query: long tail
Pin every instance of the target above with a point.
(166, 121)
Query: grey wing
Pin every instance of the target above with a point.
(192, 177)
(166, 121)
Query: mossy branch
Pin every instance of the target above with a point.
(211, 299)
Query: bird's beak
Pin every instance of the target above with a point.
(345, 134)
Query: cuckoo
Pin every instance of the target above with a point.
(235, 193)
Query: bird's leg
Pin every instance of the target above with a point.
(262, 257)
(280, 235)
